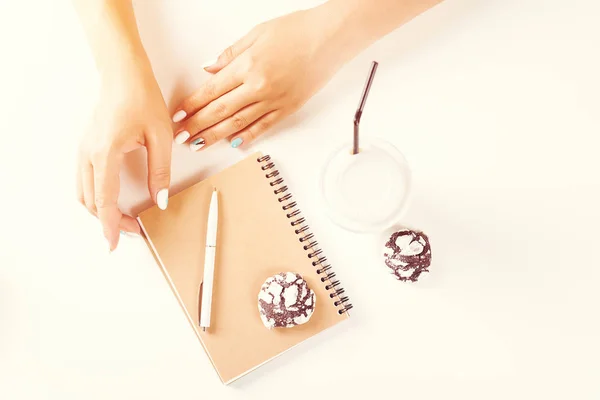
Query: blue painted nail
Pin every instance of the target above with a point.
(236, 142)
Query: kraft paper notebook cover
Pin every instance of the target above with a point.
(261, 233)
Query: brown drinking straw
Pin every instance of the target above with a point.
(361, 105)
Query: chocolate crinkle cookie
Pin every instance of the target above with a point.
(408, 254)
(285, 301)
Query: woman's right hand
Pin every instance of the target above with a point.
(131, 113)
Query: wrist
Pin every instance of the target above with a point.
(362, 22)
(114, 39)
(345, 32)
(121, 61)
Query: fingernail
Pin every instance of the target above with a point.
(182, 137)
(179, 115)
(130, 234)
(209, 63)
(197, 144)
(162, 198)
(237, 142)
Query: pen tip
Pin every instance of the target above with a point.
(203, 329)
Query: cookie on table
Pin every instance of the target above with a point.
(408, 254)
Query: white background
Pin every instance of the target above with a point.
(496, 106)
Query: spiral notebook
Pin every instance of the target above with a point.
(261, 233)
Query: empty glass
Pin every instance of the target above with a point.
(368, 191)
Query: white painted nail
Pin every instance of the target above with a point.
(182, 137)
(162, 198)
(179, 115)
(130, 234)
(197, 144)
(209, 63)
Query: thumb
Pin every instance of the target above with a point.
(158, 145)
(230, 53)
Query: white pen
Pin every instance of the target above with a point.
(209, 260)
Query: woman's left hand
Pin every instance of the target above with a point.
(265, 76)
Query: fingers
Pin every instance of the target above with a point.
(158, 145)
(257, 128)
(129, 224)
(212, 89)
(79, 187)
(87, 184)
(232, 52)
(217, 111)
(106, 187)
(235, 123)
(99, 185)
(85, 195)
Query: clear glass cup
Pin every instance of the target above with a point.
(368, 191)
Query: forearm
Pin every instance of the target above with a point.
(111, 29)
(359, 23)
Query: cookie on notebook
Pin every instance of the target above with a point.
(408, 254)
(285, 301)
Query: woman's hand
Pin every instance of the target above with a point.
(268, 74)
(131, 113)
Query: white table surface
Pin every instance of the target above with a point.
(494, 103)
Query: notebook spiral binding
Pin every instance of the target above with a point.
(305, 236)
